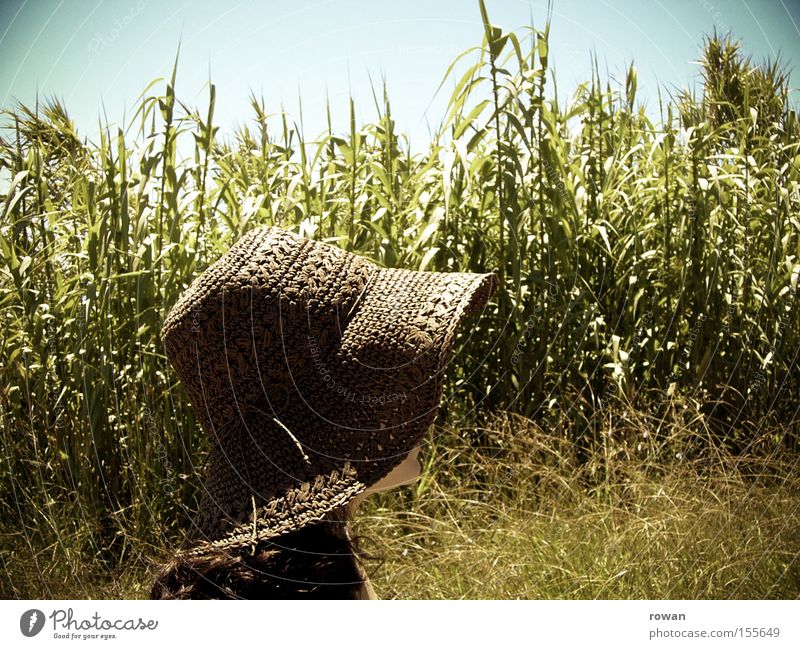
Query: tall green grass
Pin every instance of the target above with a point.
(652, 262)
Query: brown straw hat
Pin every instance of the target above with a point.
(313, 371)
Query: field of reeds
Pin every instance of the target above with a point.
(635, 378)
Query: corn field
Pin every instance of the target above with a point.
(639, 259)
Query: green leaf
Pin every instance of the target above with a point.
(494, 35)
(604, 235)
(428, 257)
(497, 42)
(542, 47)
(23, 265)
(470, 118)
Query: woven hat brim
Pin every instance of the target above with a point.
(419, 313)
(390, 361)
(303, 505)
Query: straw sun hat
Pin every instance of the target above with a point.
(313, 371)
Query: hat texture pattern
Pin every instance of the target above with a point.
(313, 371)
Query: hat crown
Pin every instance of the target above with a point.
(248, 326)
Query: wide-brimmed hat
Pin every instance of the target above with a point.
(313, 371)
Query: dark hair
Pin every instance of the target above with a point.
(318, 561)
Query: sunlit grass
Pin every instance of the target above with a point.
(519, 519)
(517, 516)
(641, 260)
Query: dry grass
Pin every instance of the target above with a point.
(504, 510)
(517, 518)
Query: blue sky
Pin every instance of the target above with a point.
(96, 54)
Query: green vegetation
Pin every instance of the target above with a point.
(649, 271)
(520, 516)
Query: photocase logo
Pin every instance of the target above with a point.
(31, 622)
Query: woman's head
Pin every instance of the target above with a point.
(315, 373)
